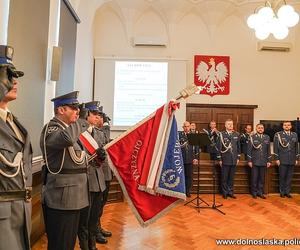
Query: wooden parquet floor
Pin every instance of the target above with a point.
(185, 228)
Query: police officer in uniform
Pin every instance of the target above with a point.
(193, 128)
(104, 126)
(65, 192)
(89, 217)
(228, 154)
(15, 163)
(190, 155)
(213, 135)
(259, 157)
(286, 154)
(245, 139)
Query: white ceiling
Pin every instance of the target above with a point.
(171, 4)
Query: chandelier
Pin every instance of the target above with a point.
(274, 20)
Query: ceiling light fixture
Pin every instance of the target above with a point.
(274, 20)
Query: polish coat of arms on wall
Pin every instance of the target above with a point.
(212, 74)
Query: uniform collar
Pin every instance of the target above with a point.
(3, 114)
(65, 124)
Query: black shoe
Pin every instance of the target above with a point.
(282, 195)
(261, 196)
(254, 196)
(288, 195)
(224, 196)
(107, 233)
(188, 195)
(232, 196)
(101, 239)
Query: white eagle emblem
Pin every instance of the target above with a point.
(213, 77)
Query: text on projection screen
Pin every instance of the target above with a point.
(140, 88)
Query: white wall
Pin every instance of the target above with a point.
(84, 62)
(267, 79)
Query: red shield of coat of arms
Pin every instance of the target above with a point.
(212, 74)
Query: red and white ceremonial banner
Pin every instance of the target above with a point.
(88, 142)
(137, 157)
(212, 74)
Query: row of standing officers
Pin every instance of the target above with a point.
(76, 179)
(226, 148)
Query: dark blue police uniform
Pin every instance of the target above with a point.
(245, 137)
(286, 151)
(259, 153)
(229, 152)
(212, 148)
(189, 153)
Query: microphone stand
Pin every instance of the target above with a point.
(198, 198)
(214, 205)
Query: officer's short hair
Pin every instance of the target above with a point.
(287, 122)
(248, 125)
(260, 124)
(228, 120)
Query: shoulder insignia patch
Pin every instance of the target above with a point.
(52, 129)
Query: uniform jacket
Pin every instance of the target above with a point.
(64, 191)
(96, 177)
(106, 169)
(244, 142)
(229, 147)
(10, 145)
(189, 152)
(286, 147)
(213, 136)
(259, 150)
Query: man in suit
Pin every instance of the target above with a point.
(104, 126)
(89, 217)
(65, 193)
(259, 157)
(190, 156)
(15, 163)
(229, 151)
(245, 139)
(286, 153)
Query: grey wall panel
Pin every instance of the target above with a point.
(28, 34)
(67, 40)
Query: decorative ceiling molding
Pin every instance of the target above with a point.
(212, 12)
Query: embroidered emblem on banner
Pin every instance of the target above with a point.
(170, 179)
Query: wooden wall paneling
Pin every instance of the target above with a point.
(245, 117)
(220, 115)
(201, 116)
(37, 220)
(115, 192)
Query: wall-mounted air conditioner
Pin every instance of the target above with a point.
(153, 41)
(274, 46)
